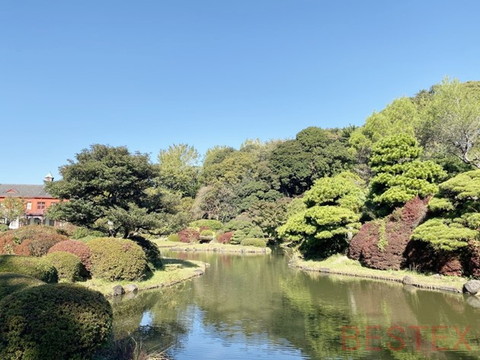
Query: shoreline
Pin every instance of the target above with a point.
(398, 276)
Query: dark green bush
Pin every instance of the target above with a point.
(10, 282)
(206, 223)
(151, 251)
(173, 237)
(238, 236)
(82, 232)
(117, 259)
(69, 266)
(254, 242)
(30, 266)
(53, 322)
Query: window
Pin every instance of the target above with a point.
(41, 205)
(29, 205)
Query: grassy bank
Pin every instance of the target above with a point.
(176, 271)
(341, 265)
(211, 247)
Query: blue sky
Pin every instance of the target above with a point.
(151, 73)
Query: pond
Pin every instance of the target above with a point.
(256, 307)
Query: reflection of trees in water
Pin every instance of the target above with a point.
(164, 307)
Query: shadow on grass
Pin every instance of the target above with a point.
(179, 263)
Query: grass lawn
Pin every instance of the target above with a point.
(340, 263)
(175, 270)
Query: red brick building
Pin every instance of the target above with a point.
(36, 201)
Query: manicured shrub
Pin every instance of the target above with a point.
(189, 235)
(117, 259)
(207, 235)
(33, 240)
(225, 238)
(151, 251)
(238, 237)
(52, 322)
(254, 242)
(30, 266)
(173, 237)
(3, 227)
(10, 283)
(82, 232)
(69, 266)
(207, 224)
(74, 247)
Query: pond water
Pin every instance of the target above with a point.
(255, 307)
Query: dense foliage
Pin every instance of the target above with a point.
(11, 282)
(52, 322)
(117, 259)
(69, 266)
(74, 247)
(35, 267)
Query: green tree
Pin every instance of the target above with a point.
(331, 217)
(314, 153)
(452, 121)
(11, 208)
(178, 169)
(399, 174)
(101, 181)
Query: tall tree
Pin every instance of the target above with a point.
(11, 208)
(103, 180)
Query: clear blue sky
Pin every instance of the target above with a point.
(148, 74)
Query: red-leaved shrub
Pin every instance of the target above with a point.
(225, 238)
(189, 235)
(74, 247)
(33, 240)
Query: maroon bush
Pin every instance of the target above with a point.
(33, 240)
(77, 248)
(189, 235)
(381, 244)
(225, 238)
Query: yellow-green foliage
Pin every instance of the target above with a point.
(117, 259)
(443, 235)
(10, 282)
(173, 237)
(30, 266)
(254, 242)
(52, 322)
(464, 186)
(69, 266)
(207, 223)
(440, 204)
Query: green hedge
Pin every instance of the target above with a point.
(69, 266)
(10, 283)
(117, 259)
(53, 322)
(206, 223)
(254, 242)
(173, 237)
(31, 266)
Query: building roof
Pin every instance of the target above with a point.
(25, 191)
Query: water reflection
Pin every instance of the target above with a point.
(255, 307)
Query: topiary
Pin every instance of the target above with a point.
(189, 235)
(238, 236)
(225, 238)
(74, 247)
(32, 240)
(151, 250)
(207, 224)
(207, 235)
(254, 242)
(10, 283)
(173, 237)
(69, 266)
(117, 259)
(30, 266)
(51, 322)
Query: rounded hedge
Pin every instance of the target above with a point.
(117, 259)
(207, 235)
(10, 283)
(69, 266)
(173, 237)
(151, 251)
(51, 322)
(38, 268)
(32, 240)
(74, 247)
(254, 242)
(207, 223)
